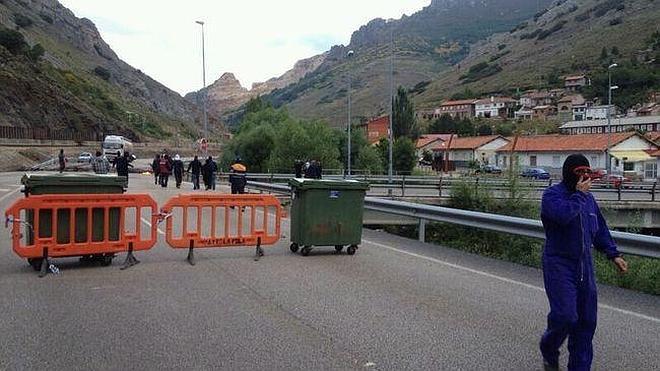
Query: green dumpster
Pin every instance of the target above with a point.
(326, 213)
(38, 184)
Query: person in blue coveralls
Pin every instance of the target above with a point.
(573, 224)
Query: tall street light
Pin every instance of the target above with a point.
(348, 154)
(204, 117)
(390, 131)
(609, 114)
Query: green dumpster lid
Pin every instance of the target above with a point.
(330, 184)
(75, 180)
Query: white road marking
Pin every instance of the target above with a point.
(504, 279)
(4, 189)
(10, 193)
(145, 221)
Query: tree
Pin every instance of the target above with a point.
(404, 156)
(36, 53)
(445, 124)
(404, 121)
(603, 54)
(369, 159)
(484, 129)
(12, 41)
(255, 104)
(465, 128)
(358, 142)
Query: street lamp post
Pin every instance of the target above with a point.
(348, 154)
(609, 114)
(390, 133)
(204, 116)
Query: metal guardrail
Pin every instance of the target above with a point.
(401, 184)
(629, 243)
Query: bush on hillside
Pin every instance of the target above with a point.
(22, 21)
(545, 33)
(46, 18)
(102, 73)
(12, 41)
(36, 53)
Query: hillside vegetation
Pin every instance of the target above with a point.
(570, 37)
(425, 45)
(57, 72)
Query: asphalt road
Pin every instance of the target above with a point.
(396, 304)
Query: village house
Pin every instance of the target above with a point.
(458, 109)
(574, 83)
(524, 113)
(432, 143)
(565, 106)
(599, 112)
(618, 124)
(495, 107)
(482, 149)
(649, 109)
(535, 98)
(376, 129)
(543, 112)
(630, 153)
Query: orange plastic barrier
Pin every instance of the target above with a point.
(222, 220)
(50, 225)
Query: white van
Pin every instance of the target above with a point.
(115, 143)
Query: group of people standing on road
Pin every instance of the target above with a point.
(310, 169)
(163, 166)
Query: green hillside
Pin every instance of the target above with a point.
(426, 44)
(569, 38)
(77, 82)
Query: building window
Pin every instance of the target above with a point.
(600, 130)
(594, 161)
(532, 160)
(650, 170)
(628, 166)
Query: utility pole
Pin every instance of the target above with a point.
(204, 93)
(348, 152)
(390, 131)
(609, 115)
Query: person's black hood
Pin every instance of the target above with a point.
(568, 176)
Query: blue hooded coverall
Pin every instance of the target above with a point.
(573, 223)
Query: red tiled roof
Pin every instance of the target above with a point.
(654, 136)
(577, 77)
(565, 143)
(426, 139)
(654, 153)
(577, 99)
(496, 100)
(457, 102)
(472, 142)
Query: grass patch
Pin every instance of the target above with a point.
(643, 274)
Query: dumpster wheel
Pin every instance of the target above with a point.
(306, 250)
(293, 247)
(351, 249)
(339, 248)
(35, 263)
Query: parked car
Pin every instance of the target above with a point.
(535, 173)
(491, 169)
(85, 157)
(614, 181)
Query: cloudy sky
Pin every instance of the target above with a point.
(254, 39)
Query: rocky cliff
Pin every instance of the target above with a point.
(100, 91)
(227, 94)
